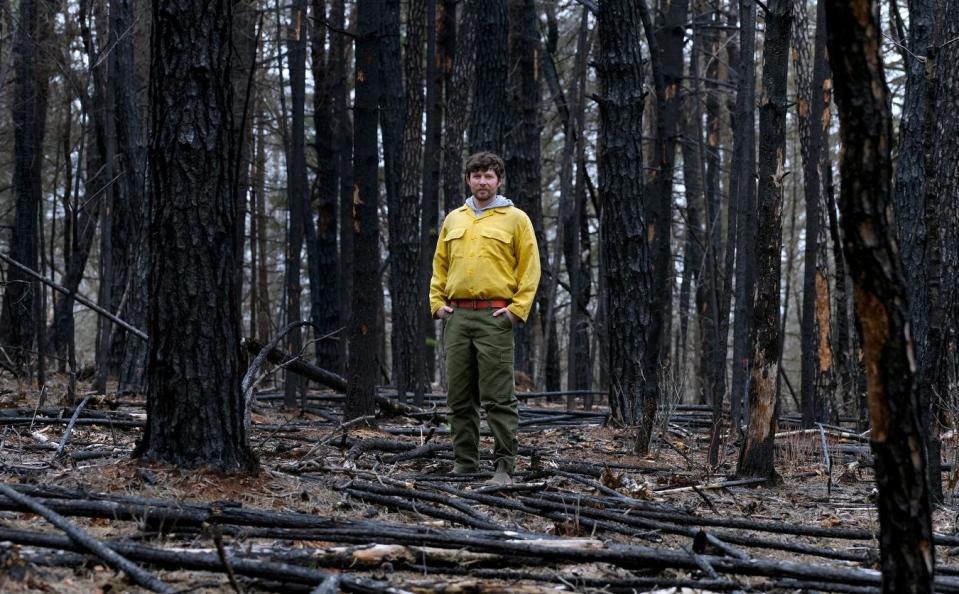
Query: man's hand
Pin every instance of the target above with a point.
(504, 311)
(443, 311)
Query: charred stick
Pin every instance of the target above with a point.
(69, 429)
(413, 493)
(422, 509)
(87, 543)
(202, 561)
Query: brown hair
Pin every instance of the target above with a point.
(485, 161)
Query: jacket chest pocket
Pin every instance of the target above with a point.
(497, 244)
(455, 242)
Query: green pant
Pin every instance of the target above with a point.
(479, 370)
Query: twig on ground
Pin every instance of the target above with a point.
(332, 434)
(40, 399)
(69, 429)
(217, 536)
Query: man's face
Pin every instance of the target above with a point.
(483, 184)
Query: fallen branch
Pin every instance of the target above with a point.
(295, 364)
(77, 297)
(87, 542)
(182, 559)
(69, 429)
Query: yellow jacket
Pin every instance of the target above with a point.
(490, 256)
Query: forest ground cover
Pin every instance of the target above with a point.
(363, 509)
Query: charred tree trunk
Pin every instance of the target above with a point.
(265, 313)
(489, 117)
(693, 174)
(742, 197)
(939, 367)
(131, 352)
(325, 296)
(404, 219)
(866, 129)
(79, 229)
(846, 341)
(910, 195)
(22, 293)
(709, 287)
(578, 358)
(920, 254)
(519, 138)
(194, 405)
(364, 357)
(341, 47)
(296, 189)
(810, 108)
(440, 33)
(666, 43)
(459, 83)
(756, 458)
(634, 312)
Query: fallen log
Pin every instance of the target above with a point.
(87, 543)
(185, 559)
(18, 420)
(297, 366)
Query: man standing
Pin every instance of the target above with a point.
(485, 274)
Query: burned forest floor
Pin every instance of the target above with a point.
(336, 507)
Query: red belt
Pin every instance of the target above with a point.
(479, 303)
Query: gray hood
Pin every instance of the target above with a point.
(500, 200)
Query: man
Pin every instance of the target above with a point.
(485, 273)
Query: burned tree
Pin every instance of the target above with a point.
(364, 358)
(21, 297)
(742, 198)
(194, 405)
(404, 210)
(880, 294)
(634, 310)
(816, 358)
(756, 457)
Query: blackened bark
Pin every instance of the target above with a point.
(810, 108)
(489, 117)
(341, 47)
(693, 174)
(578, 359)
(742, 195)
(296, 189)
(110, 287)
(21, 293)
(129, 213)
(440, 29)
(194, 405)
(866, 130)
(459, 82)
(364, 355)
(939, 367)
(909, 195)
(709, 287)
(756, 457)
(520, 140)
(80, 225)
(917, 221)
(325, 296)
(264, 311)
(299, 141)
(846, 342)
(404, 219)
(634, 313)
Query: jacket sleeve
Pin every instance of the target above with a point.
(441, 264)
(527, 270)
